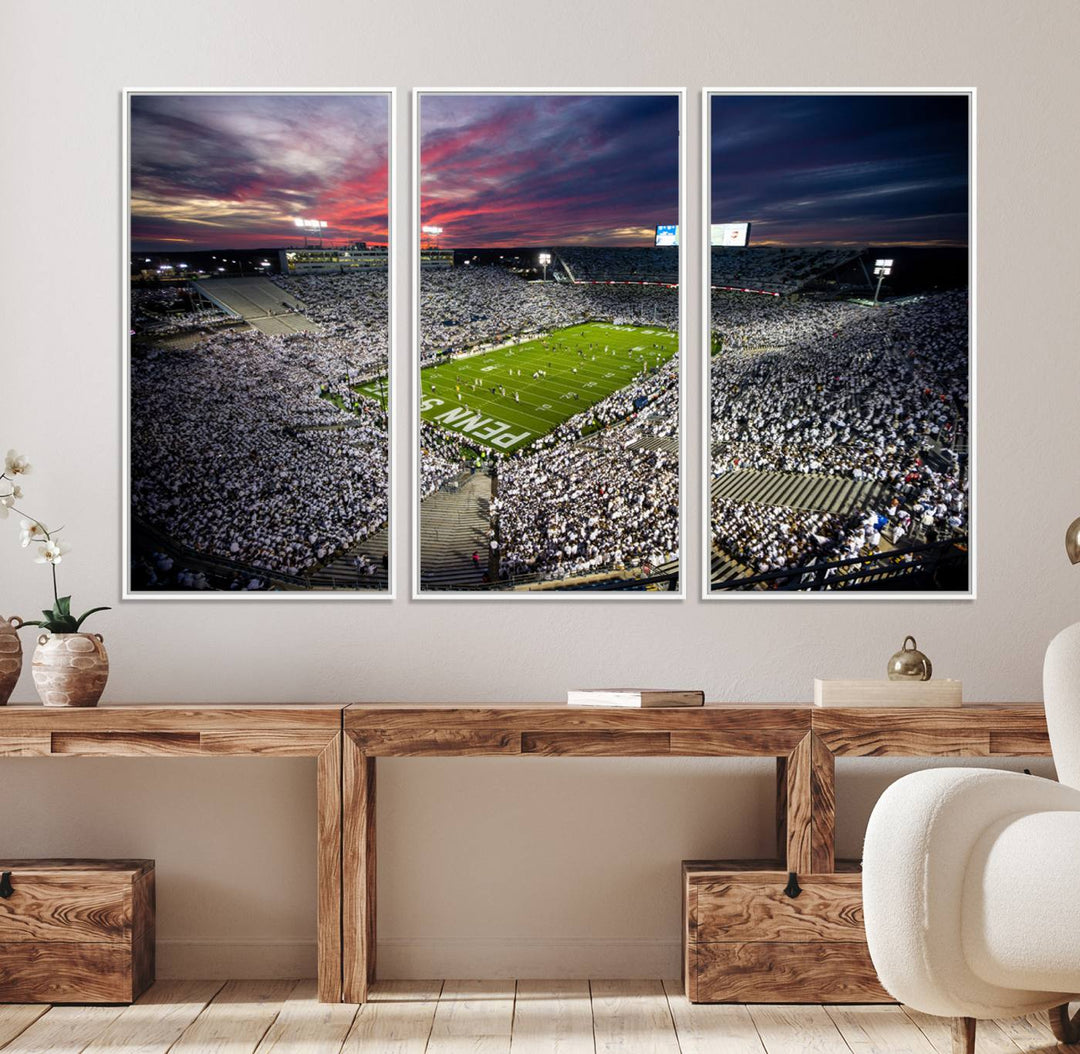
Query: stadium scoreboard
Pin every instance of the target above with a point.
(730, 234)
(667, 235)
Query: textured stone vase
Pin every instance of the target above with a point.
(70, 669)
(10, 656)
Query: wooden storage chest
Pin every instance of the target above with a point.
(746, 939)
(76, 931)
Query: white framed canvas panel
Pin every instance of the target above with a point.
(258, 307)
(548, 373)
(838, 317)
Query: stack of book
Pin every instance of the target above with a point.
(633, 697)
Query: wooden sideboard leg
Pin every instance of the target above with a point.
(358, 888)
(794, 807)
(963, 1035)
(822, 807)
(329, 868)
(781, 809)
(806, 807)
(1066, 1029)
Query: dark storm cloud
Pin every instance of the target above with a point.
(549, 169)
(229, 171)
(834, 169)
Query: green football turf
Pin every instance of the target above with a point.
(500, 422)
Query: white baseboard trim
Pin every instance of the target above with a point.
(419, 958)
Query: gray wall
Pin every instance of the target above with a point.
(546, 866)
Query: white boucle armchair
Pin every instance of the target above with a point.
(971, 880)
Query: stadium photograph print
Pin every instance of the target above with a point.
(258, 301)
(839, 436)
(547, 374)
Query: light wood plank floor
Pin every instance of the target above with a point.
(484, 1017)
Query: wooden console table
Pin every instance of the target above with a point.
(206, 730)
(346, 740)
(805, 741)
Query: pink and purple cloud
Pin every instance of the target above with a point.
(234, 170)
(526, 170)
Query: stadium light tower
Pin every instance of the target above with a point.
(881, 269)
(432, 233)
(311, 228)
(544, 259)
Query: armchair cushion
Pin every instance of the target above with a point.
(922, 837)
(1021, 903)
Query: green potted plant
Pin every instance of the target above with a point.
(70, 667)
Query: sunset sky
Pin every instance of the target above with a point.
(533, 170)
(232, 171)
(842, 169)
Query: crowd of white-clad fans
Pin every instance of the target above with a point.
(869, 394)
(351, 309)
(237, 453)
(172, 310)
(575, 508)
(779, 269)
(469, 307)
(618, 265)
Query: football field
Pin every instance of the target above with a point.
(507, 398)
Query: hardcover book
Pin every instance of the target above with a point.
(634, 697)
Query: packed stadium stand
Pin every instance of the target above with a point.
(464, 308)
(839, 436)
(255, 464)
(168, 311)
(618, 265)
(775, 269)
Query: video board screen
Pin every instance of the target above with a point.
(667, 235)
(734, 234)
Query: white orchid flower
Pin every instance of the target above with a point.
(31, 531)
(52, 552)
(16, 464)
(8, 499)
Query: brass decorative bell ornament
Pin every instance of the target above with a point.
(909, 664)
(1072, 541)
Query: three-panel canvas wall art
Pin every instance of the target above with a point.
(533, 402)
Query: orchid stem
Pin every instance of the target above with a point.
(55, 592)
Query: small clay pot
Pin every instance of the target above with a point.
(10, 656)
(70, 669)
(909, 664)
